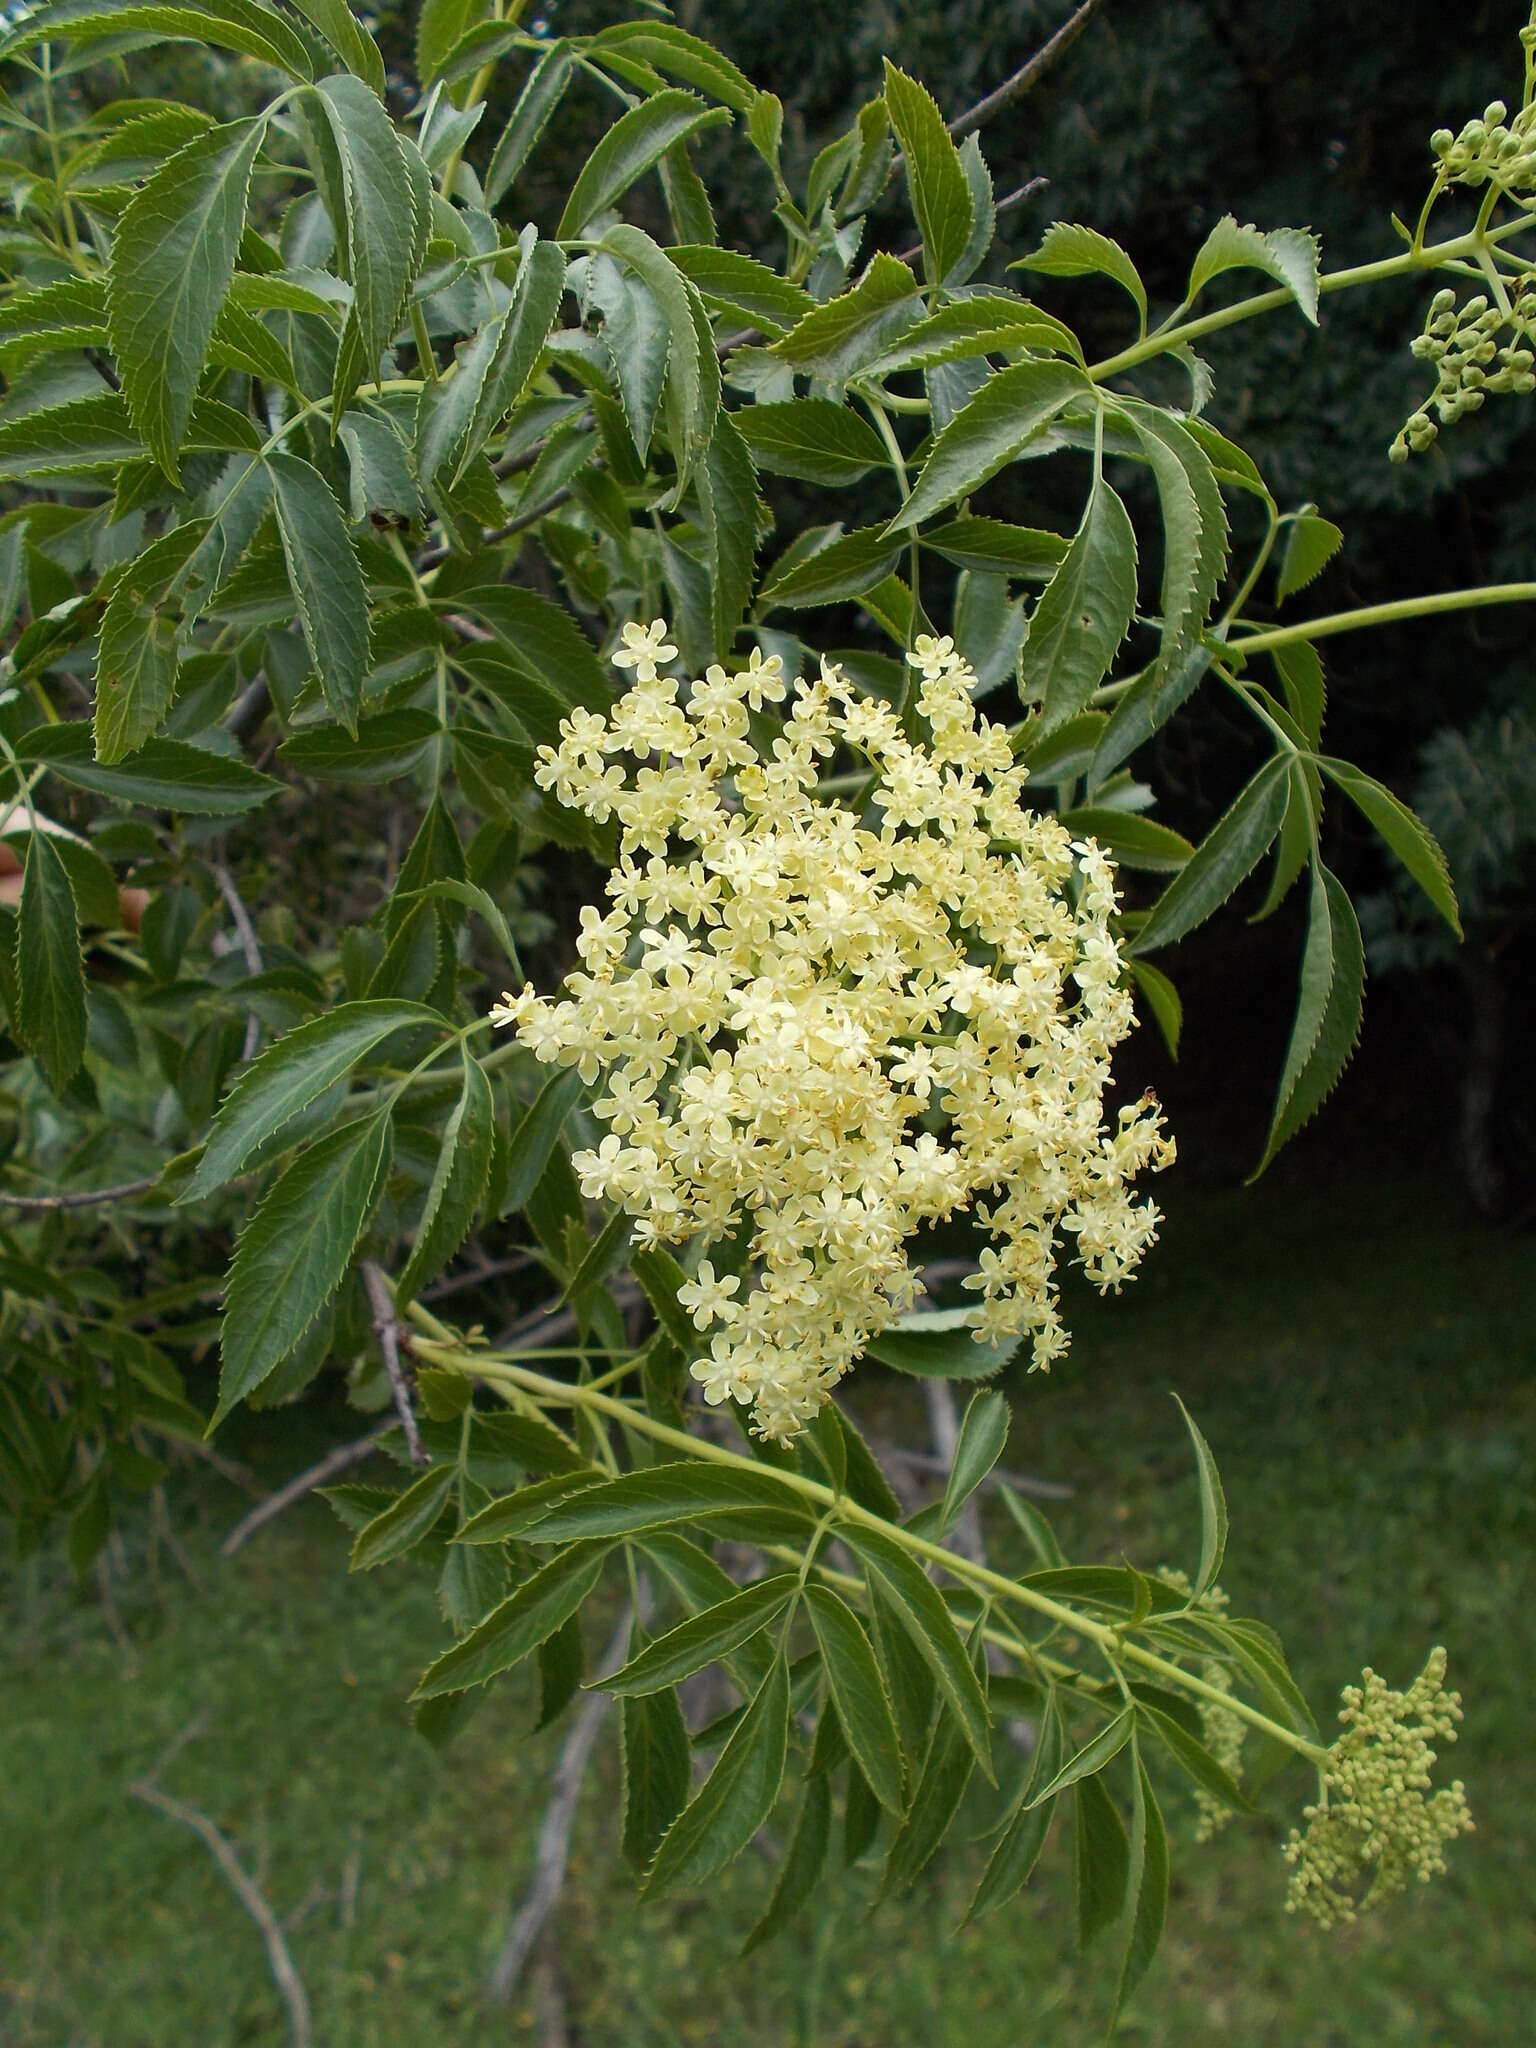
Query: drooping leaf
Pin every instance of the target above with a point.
(293, 1253)
(1084, 612)
(381, 748)
(847, 333)
(1163, 1000)
(245, 25)
(658, 1497)
(858, 1691)
(1300, 669)
(1072, 251)
(1146, 1886)
(940, 1787)
(165, 773)
(536, 1136)
(727, 487)
(526, 1618)
(983, 1433)
(691, 361)
(803, 1862)
(993, 546)
(519, 337)
(1102, 1859)
(941, 193)
(289, 1076)
(986, 435)
(1019, 1845)
(1192, 1757)
(49, 1016)
(1225, 857)
(1402, 832)
(846, 567)
(1135, 841)
(536, 103)
(404, 1522)
(1090, 1759)
(737, 1796)
(378, 227)
(732, 283)
(172, 259)
(940, 1344)
(1310, 545)
(1327, 1026)
(920, 1608)
(458, 1181)
(324, 575)
(1288, 255)
(677, 54)
(657, 1771)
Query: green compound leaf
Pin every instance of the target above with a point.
(167, 774)
(691, 361)
(704, 1638)
(173, 256)
(1327, 1027)
(737, 1797)
(1289, 255)
(940, 1344)
(404, 1522)
(657, 1769)
(295, 1250)
(49, 1014)
(804, 1861)
(1134, 840)
(635, 143)
(918, 1605)
(526, 1618)
(1300, 669)
(727, 486)
(1406, 836)
(1072, 251)
(858, 1690)
(941, 192)
(1192, 1757)
(289, 1076)
(947, 1767)
(1084, 612)
(536, 1136)
(137, 660)
(1008, 411)
(1213, 1509)
(326, 581)
(1310, 545)
(991, 546)
(677, 54)
(458, 1181)
(1227, 855)
(249, 26)
(729, 282)
(352, 44)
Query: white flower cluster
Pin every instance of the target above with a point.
(821, 1027)
(1373, 1826)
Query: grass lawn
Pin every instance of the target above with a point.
(1363, 1369)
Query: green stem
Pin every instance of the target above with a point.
(1384, 615)
(1108, 1640)
(1404, 265)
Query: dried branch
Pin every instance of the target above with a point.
(382, 1302)
(240, 917)
(342, 1459)
(1029, 75)
(286, 1977)
(81, 1198)
(555, 1834)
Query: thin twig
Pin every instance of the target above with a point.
(381, 1301)
(1028, 75)
(82, 1198)
(479, 1276)
(1021, 1482)
(555, 1834)
(430, 557)
(341, 1459)
(240, 917)
(285, 1976)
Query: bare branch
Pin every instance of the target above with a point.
(81, 1198)
(381, 1301)
(555, 1834)
(240, 917)
(1028, 75)
(342, 1459)
(285, 1976)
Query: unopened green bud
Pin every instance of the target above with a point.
(1494, 112)
(1439, 142)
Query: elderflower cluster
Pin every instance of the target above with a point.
(1221, 1730)
(820, 1028)
(1373, 1825)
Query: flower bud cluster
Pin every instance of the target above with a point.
(1469, 360)
(1374, 1829)
(1492, 149)
(820, 1029)
(1221, 1731)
